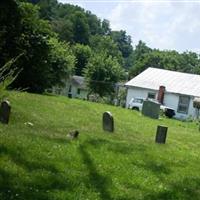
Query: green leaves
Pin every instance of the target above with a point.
(7, 75)
(82, 54)
(102, 73)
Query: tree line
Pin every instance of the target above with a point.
(58, 40)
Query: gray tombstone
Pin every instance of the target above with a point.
(161, 134)
(151, 109)
(5, 112)
(108, 122)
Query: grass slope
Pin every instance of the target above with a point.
(41, 163)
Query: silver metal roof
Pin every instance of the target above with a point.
(174, 82)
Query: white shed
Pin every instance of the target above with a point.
(173, 89)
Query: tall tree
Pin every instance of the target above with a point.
(41, 65)
(82, 54)
(107, 45)
(101, 73)
(105, 25)
(123, 41)
(140, 50)
(10, 30)
(80, 28)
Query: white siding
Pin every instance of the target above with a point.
(137, 92)
(170, 100)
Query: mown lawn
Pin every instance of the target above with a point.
(40, 162)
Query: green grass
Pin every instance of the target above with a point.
(40, 163)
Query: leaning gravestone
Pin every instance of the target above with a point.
(5, 112)
(108, 122)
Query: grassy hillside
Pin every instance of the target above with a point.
(39, 162)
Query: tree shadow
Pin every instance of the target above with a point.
(36, 182)
(155, 167)
(115, 147)
(99, 182)
(188, 188)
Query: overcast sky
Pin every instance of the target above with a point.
(159, 23)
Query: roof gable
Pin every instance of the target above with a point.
(174, 82)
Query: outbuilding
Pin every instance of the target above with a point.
(173, 89)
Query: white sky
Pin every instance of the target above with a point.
(159, 23)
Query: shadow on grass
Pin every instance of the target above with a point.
(155, 167)
(97, 181)
(115, 147)
(30, 179)
(58, 138)
(185, 189)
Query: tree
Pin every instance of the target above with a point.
(64, 28)
(82, 54)
(106, 45)
(101, 73)
(157, 59)
(45, 60)
(105, 25)
(189, 62)
(80, 28)
(123, 42)
(140, 50)
(10, 30)
(61, 62)
(94, 23)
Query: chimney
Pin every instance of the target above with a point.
(161, 92)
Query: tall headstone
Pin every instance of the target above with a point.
(108, 122)
(151, 109)
(161, 134)
(5, 112)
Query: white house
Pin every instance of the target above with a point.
(75, 87)
(172, 89)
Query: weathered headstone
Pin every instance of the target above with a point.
(5, 112)
(108, 122)
(161, 134)
(151, 109)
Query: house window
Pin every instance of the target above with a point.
(183, 104)
(78, 90)
(151, 95)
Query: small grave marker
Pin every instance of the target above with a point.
(5, 112)
(108, 122)
(73, 134)
(161, 134)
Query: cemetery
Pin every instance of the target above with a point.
(52, 147)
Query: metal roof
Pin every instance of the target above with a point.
(174, 82)
(79, 81)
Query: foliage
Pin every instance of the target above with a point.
(80, 28)
(45, 27)
(144, 57)
(46, 61)
(7, 75)
(61, 61)
(10, 30)
(82, 54)
(106, 45)
(123, 42)
(40, 162)
(34, 42)
(102, 72)
(106, 30)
